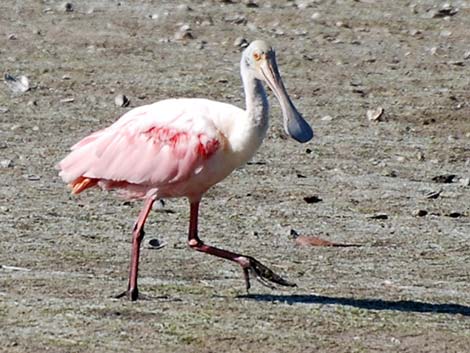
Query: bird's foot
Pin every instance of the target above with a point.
(131, 294)
(263, 274)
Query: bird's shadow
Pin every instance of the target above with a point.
(369, 304)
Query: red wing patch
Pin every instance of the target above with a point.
(206, 147)
(178, 140)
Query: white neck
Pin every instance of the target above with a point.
(257, 106)
(250, 129)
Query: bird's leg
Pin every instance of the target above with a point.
(249, 265)
(138, 233)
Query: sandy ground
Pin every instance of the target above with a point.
(406, 289)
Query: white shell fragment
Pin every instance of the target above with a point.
(240, 42)
(121, 100)
(447, 10)
(18, 84)
(156, 244)
(464, 181)
(67, 100)
(6, 163)
(375, 114)
(184, 32)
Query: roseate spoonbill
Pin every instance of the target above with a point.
(182, 147)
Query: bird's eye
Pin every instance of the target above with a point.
(256, 56)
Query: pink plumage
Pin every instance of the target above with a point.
(160, 148)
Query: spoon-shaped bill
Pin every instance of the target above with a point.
(294, 124)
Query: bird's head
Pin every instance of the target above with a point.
(259, 59)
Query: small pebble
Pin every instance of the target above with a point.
(464, 181)
(390, 173)
(159, 206)
(355, 83)
(156, 244)
(6, 163)
(67, 100)
(312, 199)
(452, 138)
(183, 7)
(316, 16)
(375, 114)
(447, 10)
(250, 3)
(185, 32)
(121, 100)
(327, 118)
(400, 159)
(341, 24)
(18, 84)
(12, 36)
(33, 177)
(433, 194)
(378, 216)
(445, 33)
(67, 7)
(236, 19)
(433, 50)
(302, 5)
(456, 63)
(466, 55)
(444, 179)
(419, 213)
(240, 42)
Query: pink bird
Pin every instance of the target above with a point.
(182, 147)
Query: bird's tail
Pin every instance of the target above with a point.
(75, 165)
(82, 183)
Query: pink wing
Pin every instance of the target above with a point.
(154, 145)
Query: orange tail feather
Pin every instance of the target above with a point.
(82, 183)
